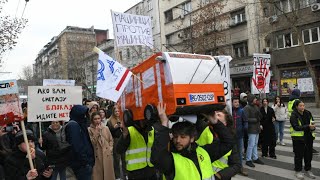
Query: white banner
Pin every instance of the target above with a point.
(52, 103)
(10, 109)
(112, 77)
(305, 84)
(225, 73)
(58, 82)
(130, 30)
(261, 73)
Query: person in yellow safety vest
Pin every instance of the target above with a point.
(302, 132)
(136, 142)
(295, 95)
(228, 165)
(185, 160)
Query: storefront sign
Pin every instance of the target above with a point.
(241, 69)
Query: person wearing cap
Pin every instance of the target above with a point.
(82, 154)
(243, 100)
(185, 159)
(17, 164)
(254, 116)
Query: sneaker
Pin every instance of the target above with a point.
(299, 175)
(282, 144)
(243, 172)
(278, 142)
(258, 161)
(315, 151)
(273, 157)
(310, 175)
(264, 156)
(250, 164)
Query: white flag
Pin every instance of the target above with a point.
(112, 77)
(261, 73)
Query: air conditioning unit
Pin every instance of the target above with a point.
(315, 7)
(273, 19)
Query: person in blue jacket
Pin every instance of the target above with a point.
(82, 155)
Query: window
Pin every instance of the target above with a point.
(186, 8)
(311, 35)
(284, 6)
(240, 50)
(149, 5)
(128, 53)
(168, 15)
(306, 3)
(287, 40)
(238, 17)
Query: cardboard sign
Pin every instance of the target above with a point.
(130, 29)
(58, 82)
(52, 103)
(261, 73)
(10, 109)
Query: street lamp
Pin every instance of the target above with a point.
(190, 26)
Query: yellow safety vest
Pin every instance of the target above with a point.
(221, 163)
(290, 107)
(295, 133)
(206, 137)
(185, 168)
(138, 153)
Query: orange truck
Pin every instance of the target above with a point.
(189, 84)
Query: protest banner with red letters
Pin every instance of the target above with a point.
(10, 109)
(261, 73)
(52, 103)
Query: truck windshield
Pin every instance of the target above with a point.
(193, 68)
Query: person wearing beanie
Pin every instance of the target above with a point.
(254, 116)
(17, 165)
(243, 100)
(295, 95)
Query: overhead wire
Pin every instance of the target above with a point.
(25, 5)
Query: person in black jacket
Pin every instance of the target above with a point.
(268, 130)
(82, 155)
(183, 143)
(302, 133)
(58, 151)
(17, 165)
(234, 158)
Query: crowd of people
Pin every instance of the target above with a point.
(96, 144)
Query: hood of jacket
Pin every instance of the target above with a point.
(295, 94)
(78, 113)
(250, 99)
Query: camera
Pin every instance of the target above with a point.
(9, 128)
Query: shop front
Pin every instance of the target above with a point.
(241, 79)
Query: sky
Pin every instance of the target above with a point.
(47, 18)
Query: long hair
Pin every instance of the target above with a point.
(93, 115)
(229, 121)
(281, 103)
(113, 119)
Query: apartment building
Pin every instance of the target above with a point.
(216, 27)
(61, 58)
(290, 26)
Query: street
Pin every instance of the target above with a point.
(282, 168)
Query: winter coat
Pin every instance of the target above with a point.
(16, 166)
(77, 136)
(57, 151)
(254, 116)
(269, 135)
(280, 112)
(240, 121)
(103, 148)
(305, 122)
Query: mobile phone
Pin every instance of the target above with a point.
(50, 167)
(8, 129)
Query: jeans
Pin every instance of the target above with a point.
(279, 126)
(240, 149)
(83, 173)
(252, 150)
(61, 172)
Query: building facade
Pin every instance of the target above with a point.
(62, 57)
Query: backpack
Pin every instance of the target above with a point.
(63, 144)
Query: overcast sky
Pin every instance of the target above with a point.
(47, 18)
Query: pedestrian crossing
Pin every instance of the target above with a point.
(282, 168)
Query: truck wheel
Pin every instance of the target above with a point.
(127, 117)
(150, 112)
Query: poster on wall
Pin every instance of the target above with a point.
(287, 85)
(305, 84)
(261, 73)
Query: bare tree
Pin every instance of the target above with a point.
(27, 73)
(10, 28)
(293, 20)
